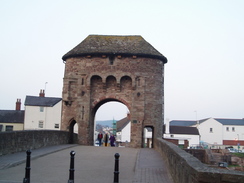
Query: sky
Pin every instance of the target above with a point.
(202, 40)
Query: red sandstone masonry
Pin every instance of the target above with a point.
(136, 82)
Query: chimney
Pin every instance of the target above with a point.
(18, 105)
(42, 93)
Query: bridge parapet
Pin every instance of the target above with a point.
(16, 141)
(185, 168)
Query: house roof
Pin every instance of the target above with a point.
(220, 120)
(230, 121)
(121, 124)
(12, 116)
(114, 45)
(183, 130)
(182, 123)
(41, 101)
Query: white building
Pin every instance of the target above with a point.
(42, 112)
(123, 128)
(183, 134)
(217, 132)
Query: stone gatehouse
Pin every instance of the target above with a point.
(125, 69)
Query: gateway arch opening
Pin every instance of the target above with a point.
(111, 118)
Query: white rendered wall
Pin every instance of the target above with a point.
(50, 116)
(236, 134)
(214, 137)
(125, 133)
(193, 139)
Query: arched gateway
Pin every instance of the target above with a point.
(125, 69)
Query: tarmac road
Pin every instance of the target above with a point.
(92, 165)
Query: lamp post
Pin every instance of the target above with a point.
(238, 144)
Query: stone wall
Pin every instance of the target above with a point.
(185, 168)
(199, 154)
(16, 141)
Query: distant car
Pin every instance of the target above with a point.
(232, 150)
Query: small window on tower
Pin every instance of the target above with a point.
(111, 60)
(211, 130)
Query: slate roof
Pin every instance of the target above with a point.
(230, 121)
(121, 124)
(220, 120)
(12, 116)
(182, 123)
(41, 101)
(183, 130)
(97, 45)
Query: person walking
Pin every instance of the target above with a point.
(99, 138)
(112, 140)
(106, 138)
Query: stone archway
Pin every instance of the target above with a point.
(71, 131)
(126, 69)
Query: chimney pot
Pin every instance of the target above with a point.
(18, 105)
(42, 93)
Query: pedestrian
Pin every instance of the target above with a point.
(106, 138)
(112, 140)
(99, 138)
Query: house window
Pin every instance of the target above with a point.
(56, 125)
(233, 129)
(227, 129)
(211, 130)
(9, 128)
(172, 136)
(41, 109)
(40, 125)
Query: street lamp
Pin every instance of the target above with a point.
(238, 144)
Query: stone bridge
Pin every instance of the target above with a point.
(180, 165)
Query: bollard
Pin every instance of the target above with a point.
(116, 168)
(27, 168)
(72, 169)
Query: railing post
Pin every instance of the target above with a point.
(72, 165)
(116, 168)
(27, 168)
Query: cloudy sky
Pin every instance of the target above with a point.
(203, 41)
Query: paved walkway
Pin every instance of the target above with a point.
(92, 165)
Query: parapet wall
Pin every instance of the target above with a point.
(16, 141)
(185, 168)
